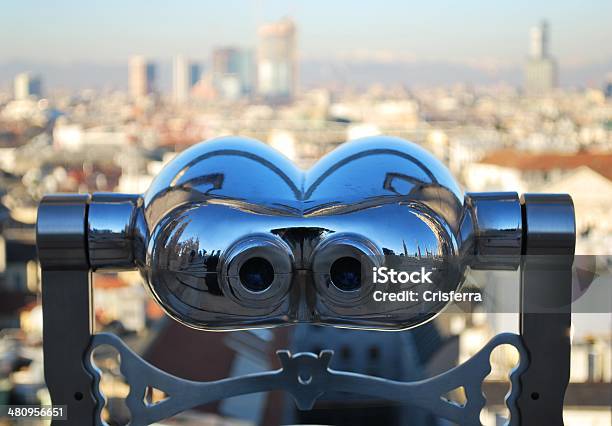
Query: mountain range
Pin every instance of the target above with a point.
(315, 73)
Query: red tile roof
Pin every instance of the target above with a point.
(599, 162)
(108, 281)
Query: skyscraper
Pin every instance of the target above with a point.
(185, 74)
(538, 47)
(246, 70)
(608, 86)
(277, 60)
(26, 85)
(141, 77)
(233, 72)
(541, 68)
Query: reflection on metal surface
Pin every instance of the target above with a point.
(111, 236)
(384, 196)
(233, 210)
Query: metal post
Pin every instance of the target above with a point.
(67, 304)
(545, 319)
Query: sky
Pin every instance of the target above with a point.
(470, 31)
(78, 44)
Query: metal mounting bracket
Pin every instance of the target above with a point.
(307, 376)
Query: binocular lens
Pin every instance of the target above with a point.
(345, 273)
(256, 274)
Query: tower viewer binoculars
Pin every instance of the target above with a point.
(232, 235)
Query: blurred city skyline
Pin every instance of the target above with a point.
(508, 96)
(438, 43)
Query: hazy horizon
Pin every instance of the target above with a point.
(75, 44)
(358, 74)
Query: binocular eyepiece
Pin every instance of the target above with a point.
(256, 270)
(232, 235)
(260, 267)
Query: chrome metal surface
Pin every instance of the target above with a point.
(61, 236)
(497, 229)
(385, 196)
(550, 225)
(307, 376)
(111, 231)
(344, 289)
(233, 201)
(243, 275)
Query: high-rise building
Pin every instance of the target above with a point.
(224, 61)
(233, 72)
(538, 47)
(246, 70)
(27, 85)
(608, 87)
(541, 68)
(277, 69)
(185, 74)
(141, 77)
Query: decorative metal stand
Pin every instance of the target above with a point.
(306, 377)
(81, 233)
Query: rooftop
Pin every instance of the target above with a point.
(599, 162)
